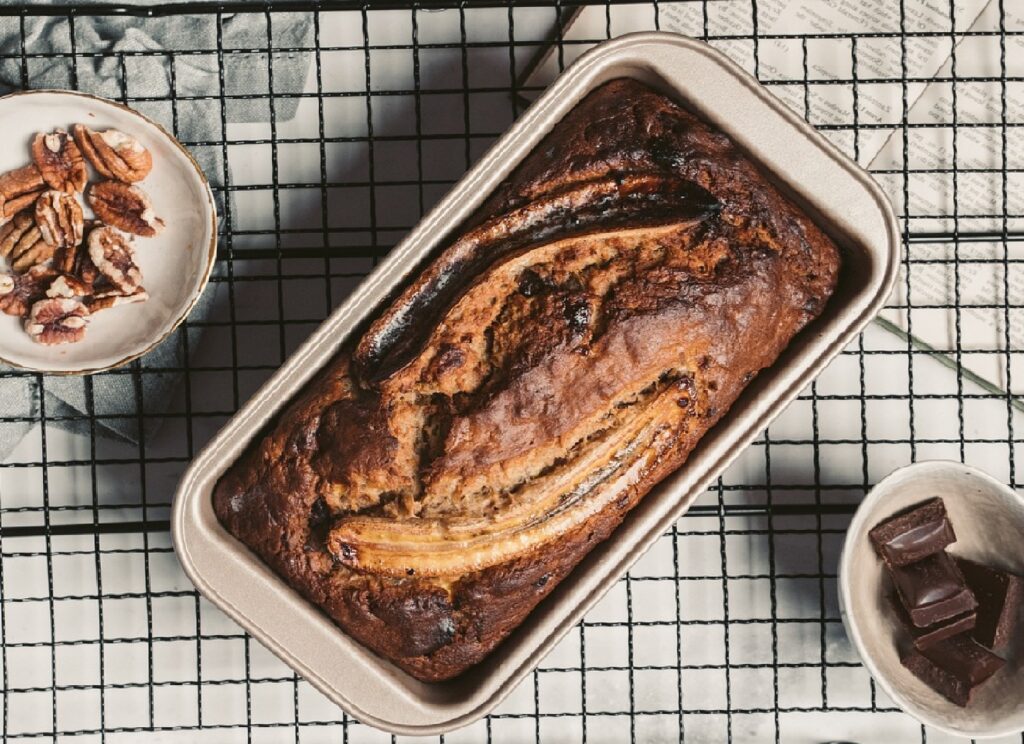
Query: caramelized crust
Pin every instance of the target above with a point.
(600, 313)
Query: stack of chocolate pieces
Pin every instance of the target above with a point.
(956, 611)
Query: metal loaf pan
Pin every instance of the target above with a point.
(834, 191)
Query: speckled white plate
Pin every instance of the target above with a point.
(175, 264)
(988, 518)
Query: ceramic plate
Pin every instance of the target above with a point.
(175, 264)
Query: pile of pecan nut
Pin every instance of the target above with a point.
(64, 268)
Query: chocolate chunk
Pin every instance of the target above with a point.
(319, 512)
(932, 590)
(925, 637)
(954, 667)
(913, 534)
(577, 315)
(530, 283)
(999, 594)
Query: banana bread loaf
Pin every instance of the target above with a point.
(562, 355)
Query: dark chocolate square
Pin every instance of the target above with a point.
(932, 590)
(999, 594)
(954, 667)
(925, 637)
(913, 534)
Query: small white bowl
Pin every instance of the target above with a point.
(175, 264)
(988, 518)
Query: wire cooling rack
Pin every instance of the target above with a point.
(729, 628)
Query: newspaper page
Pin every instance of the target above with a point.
(980, 204)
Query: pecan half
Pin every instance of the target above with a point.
(113, 255)
(68, 286)
(114, 154)
(107, 300)
(13, 231)
(22, 244)
(86, 270)
(18, 292)
(66, 259)
(57, 321)
(125, 207)
(59, 161)
(18, 190)
(5, 230)
(59, 218)
(36, 253)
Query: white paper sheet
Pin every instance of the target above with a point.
(982, 199)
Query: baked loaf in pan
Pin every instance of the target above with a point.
(602, 310)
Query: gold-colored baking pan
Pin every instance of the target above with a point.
(832, 189)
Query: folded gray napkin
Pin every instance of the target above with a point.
(120, 56)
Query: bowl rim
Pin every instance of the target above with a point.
(211, 248)
(850, 623)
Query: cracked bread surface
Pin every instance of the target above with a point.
(566, 352)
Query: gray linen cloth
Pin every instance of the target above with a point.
(152, 57)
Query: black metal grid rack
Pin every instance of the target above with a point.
(729, 628)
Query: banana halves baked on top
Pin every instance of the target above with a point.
(565, 353)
